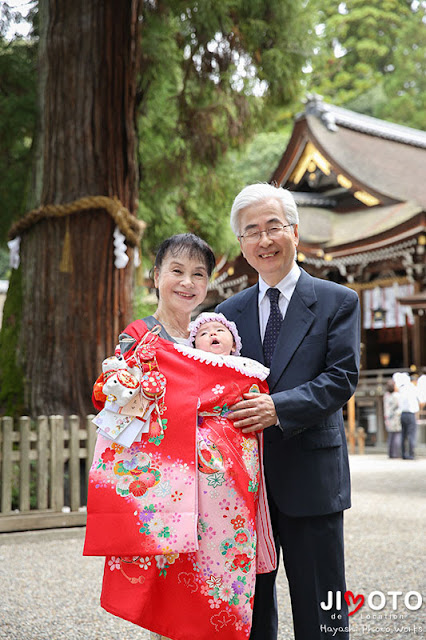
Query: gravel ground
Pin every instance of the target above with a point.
(48, 591)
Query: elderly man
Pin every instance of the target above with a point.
(306, 330)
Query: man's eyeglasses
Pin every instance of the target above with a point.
(273, 233)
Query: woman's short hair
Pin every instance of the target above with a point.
(190, 244)
(255, 193)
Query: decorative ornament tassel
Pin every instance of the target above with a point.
(66, 265)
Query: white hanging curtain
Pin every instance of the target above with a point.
(382, 309)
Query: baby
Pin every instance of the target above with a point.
(212, 332)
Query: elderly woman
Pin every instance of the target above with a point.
(182, 269)
(178, 512)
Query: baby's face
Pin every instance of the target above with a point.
(215, 338)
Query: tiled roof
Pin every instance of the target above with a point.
(331, 229)
(332, 116)
(390, 168)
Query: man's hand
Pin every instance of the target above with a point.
(255, 412)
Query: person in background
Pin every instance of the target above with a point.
(392, 416)
(307, 331)
(409, 403)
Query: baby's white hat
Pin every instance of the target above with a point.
(208, 316)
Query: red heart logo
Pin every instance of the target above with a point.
(352, 600)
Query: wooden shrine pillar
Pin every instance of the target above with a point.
(351, 424)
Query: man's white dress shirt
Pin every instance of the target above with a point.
(286, 287)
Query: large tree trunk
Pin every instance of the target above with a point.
(73, 314)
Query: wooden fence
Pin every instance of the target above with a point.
(44, 469)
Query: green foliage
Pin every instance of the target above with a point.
(17, 125)
(258, 159)
(371, 57)
(4, 264)
(208, 195)
(11, 374)
(405, 87)
(143, 303)
(227, 62)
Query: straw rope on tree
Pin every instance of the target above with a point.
(129, 225)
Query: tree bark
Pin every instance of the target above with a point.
(72, 314)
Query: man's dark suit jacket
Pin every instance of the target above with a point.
(313, 373)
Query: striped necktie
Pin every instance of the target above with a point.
(273, 326)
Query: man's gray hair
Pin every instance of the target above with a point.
(255, 193)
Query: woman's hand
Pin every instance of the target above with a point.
(254, 413)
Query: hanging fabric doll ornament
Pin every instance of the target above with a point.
(121, 386)
(130, 393)
(153, 382)
(153, 388)
(144, 354)
(153, 385)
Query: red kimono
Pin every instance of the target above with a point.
(179, 513)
